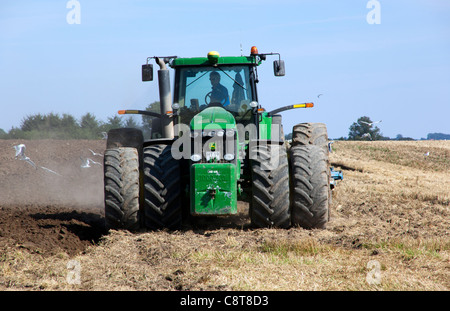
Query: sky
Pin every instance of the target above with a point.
(388, 60)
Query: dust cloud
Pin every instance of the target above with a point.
(58, 177)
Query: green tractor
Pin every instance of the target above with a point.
(215, 145)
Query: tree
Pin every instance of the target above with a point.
(363, 129)
(288, 136)
(68, 123)
(89, 122)
(438, 136)
(33, 122)
(48, 126)
(130, 122)
(114, 122)
(401, 137)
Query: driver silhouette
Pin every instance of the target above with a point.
(219, 93)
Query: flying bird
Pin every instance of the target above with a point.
(87, 162)
(329, 146)
(95, 153)
(20, 154)
(20, 151)
(367, 135)
(370, 123)
(105, 135)
(319, 95)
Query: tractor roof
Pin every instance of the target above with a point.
(213, 59)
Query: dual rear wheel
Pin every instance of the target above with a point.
(294, 187)
(143, 188)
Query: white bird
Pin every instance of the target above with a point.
(86, 162)
(95, 153)
(20, 154)
(329, 146)
(20, 151)
(370, 123)
(367, 135)
(427, 154)
(105, 135)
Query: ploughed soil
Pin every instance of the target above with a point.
(57, 205)
(392, 208)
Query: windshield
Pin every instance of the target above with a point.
(227, 86)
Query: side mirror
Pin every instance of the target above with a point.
(278, 68)
(147, 72)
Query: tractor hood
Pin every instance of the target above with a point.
(213, 118)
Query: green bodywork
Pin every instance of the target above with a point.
(214, 182)
(204, 61)
(213, 118)
(265, 126)
(213, 189)
(213, 186)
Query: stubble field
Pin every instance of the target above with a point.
(390, 229)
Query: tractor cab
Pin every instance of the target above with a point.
(214, 81)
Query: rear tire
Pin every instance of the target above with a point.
(269, 206)
(310, 184)
(304, 134)
(162, 188)
(121, 185)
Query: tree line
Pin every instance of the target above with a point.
(365, 129)
(65, 126)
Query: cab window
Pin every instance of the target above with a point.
(229, 86)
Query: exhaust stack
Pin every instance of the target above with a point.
(165, 98)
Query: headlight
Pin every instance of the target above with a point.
(194, 134)
(220, 133)
(196, 157)
(229, 157)
(253, 104)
